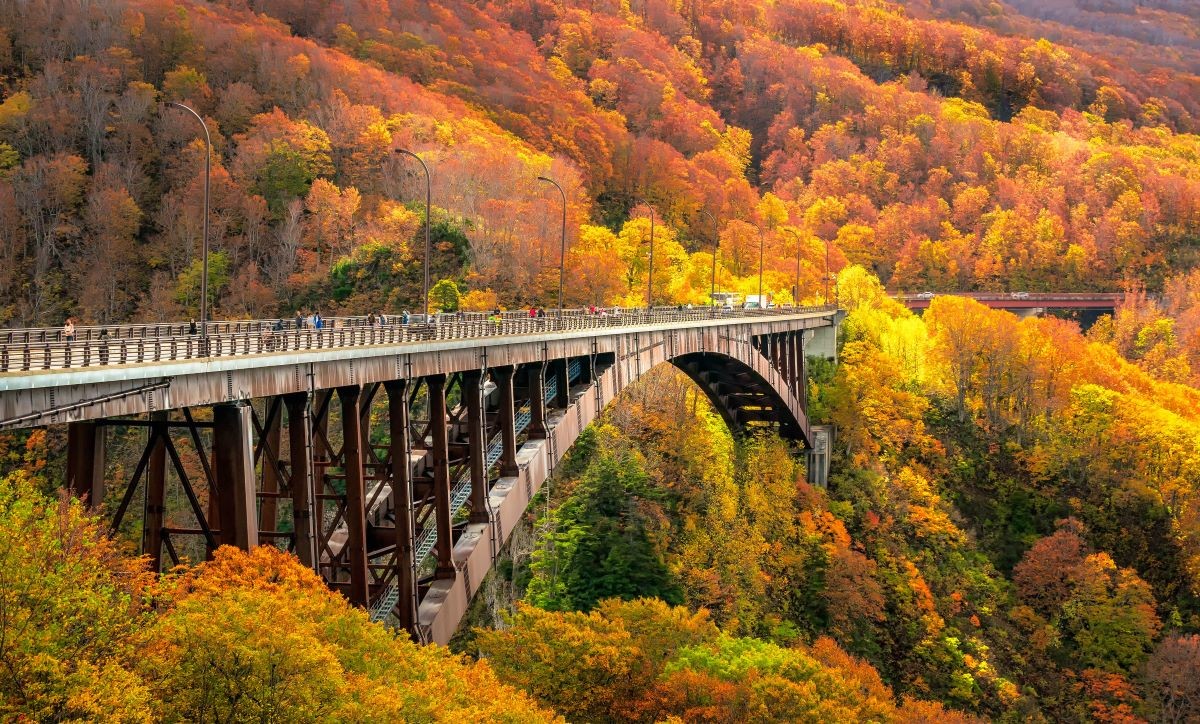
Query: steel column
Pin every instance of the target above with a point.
(802, 376)
(399, 455)
(302, 484)
(503, 377)
(441, 476)
(156, 482)
(562, 386)
(476, 446)
(85, 462)
(356, 494)
(233, 458)
(537, 400)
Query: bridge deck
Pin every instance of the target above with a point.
(52, 381)
(1022, 300)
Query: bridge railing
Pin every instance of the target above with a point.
(87, 352)
(1016, 296)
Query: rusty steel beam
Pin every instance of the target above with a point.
(441, 477)
(536, 389)
(85, 462)
(802, 373)
(233, 458)
(356, 494)
(271, 437)
(503, 377)
(156, 482)
(476, 445)
(301, 482)
(562, 386)
(402, 504)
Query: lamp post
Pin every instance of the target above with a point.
(761, 241)
(827, 271)
(796, 294)
(712, 290)
(650, 272)
(562, 254)
(428, 196)
(204, 255)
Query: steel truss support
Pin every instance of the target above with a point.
(85, 462)
(356, 494)
(472, 392)
(400, 459)
(562, 383)
(267, 455)
(536, 389)
(503, 377)
(233, 457)
(441, 477)
(300, 480)
(153, 516)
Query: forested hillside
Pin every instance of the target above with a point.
(938, 155)
(1012, 530)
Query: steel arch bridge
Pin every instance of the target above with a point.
(394, 460)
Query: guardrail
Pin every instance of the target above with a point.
(255, 338)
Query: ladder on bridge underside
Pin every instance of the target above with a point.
(461, 493)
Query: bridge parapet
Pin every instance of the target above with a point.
(27, 351)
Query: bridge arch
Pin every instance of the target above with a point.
(745, 398)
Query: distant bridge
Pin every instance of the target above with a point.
(260, 435)
(1028, 302)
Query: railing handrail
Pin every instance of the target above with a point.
(87, 351)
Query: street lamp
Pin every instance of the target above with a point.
(761, 240)
(796, 295)
(712, 291)
(650, 272)
(428, 195)
(562, 254)
(204, 255)
(827, 271)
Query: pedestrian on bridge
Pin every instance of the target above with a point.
(103, 346)
(69, 329)
(405, 317)
(191, 326)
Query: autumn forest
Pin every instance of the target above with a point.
(1011, 530)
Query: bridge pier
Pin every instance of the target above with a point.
(300, 481)
(477, 445)
(233, 457)
(399, 455)
(356, 494)
(443, 512)
(85, 462)
(562, 383)
(156, 481)
(536, 392)
(503, 377)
